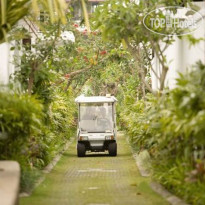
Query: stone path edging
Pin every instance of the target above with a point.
(172, 199)
(143, 171)
(158, 188)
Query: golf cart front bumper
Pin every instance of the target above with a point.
(96, 142)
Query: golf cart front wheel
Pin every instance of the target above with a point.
(81, 150)
(112, 149)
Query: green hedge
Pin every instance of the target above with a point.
(20, 120)
(171, 128)
(32, 133)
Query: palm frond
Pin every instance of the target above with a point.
(11, 11)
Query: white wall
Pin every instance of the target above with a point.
(4, 55)
(6, 66)
(7, 57)
(181, 56)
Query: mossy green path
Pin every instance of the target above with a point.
(96, 179)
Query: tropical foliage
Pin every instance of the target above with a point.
(11, 11)
(52, 72)
(171, 128)
(33, 134)
(37, 116)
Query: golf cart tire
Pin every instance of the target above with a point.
(112, 149)
(81, 150)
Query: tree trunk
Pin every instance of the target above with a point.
(163, 77)
(139, 68)
(34, 67)
(86, 17)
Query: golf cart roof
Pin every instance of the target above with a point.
(95, 99)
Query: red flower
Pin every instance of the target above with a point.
(94, 33)
(103, 52)
(85, 58)
(75, 25)
(84, 32)
(79, 49)
(67, 76)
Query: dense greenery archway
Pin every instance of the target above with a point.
(38, 114)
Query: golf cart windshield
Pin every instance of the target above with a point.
(96, 117)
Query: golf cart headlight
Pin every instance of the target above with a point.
(109, 137)
(83, 138)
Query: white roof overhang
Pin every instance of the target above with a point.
(95, 99)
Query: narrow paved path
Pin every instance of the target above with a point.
(96, 179)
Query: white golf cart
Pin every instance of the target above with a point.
(96, 125)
